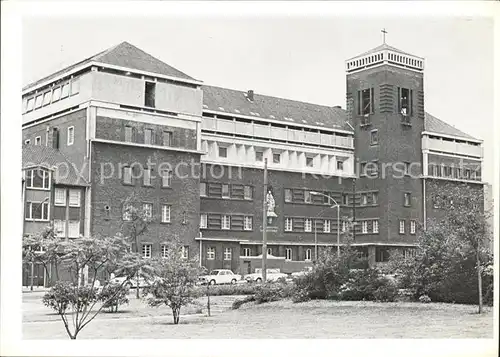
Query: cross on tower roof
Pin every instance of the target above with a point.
(384, 32)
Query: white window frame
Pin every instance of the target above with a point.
(45, 96)
(344, 226)
(44, 206)
(61, 223)
(225, 222)
(72, 203)
(71, 135)
(288, 224)
(290, 197)
(246, 252)
(163, 250)
(364, 227)
(65, 89)
(56, 94)
(29, 183)
(308, 225)
(288, 254)
(226, 194)
(30, 104)
(203, 220)
(38, 101)
(375, 198)
(307, 197)
(57, 200)
(38, 140)
(146, 250)
(151, 132)
(375, 226)
(228, 253)
(75, 86)
(210, 253)
(166, 178)
(364, 199)
(405, 196)
(308, 257)
(147, 208)
(71, 227)
(203, 192)
(413, 227)
(146, 179)
(248, 223)
(327, 226)
(166, 213)
(126, 216)
(402, 226)
(247, 192)
(185, 252)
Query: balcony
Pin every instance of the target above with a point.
(451, 146)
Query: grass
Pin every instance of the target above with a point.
(282, 319)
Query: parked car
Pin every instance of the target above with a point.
(220, 276)
(132, 282)
(272, 275)
(302, 272)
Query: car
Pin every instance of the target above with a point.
(220, 276)
(272, 275)
(132, 282)
(302, 272)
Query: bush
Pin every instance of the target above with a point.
(269, 292)
(236, 289)
(361, 285)
(424, 299)
(64, 295)
(113, 296)
(238, 303)
(387, 292)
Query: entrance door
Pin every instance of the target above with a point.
(38, 275)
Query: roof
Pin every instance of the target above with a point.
(123, 55)
(383, 47)
(436, 125)
(235, 102)
(44, 156)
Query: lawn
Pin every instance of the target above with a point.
(315, 319)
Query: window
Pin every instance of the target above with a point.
(165, 213)
(269, 251)
(259, 156)
(362, 169)
(148, 137)
(381, 254)
(364, 226)
(413, 227)
(65, 90)
(288, 254)
(345, 199)
(326, 226)
(46, 98)
(307, 225)
(149, 97)
(38, 140)
(308, 254)
(60, 197)
(340, 165)
(146, 250)
(210, 253)
(288, 195)
(222, 152)
(375, 226)
(401, 226)
(407, 199)
(185, 252)
(247, 223)
(203, 189)
(364, 199)
(38, 178)
(128, 134)
(226, 222)
(203, 220)
(74, 197)
(374, 137)
(27, 142)
(288, 224)
(374, 198)
(225, 191)
(127, 175)
(248, 193)
(71, 135)
(56, 94)
(126, 215)
(344, 226)
(309, 161)
(163, 251)
(60, 228)
(31, 103)
(276, 158)
(307, 196)
(227, 253)
(166, 178)
(37, 211)
(147, 209)
(365, 101)
(167, 138)
(406, 168)
(405, 101)
(73, 229)
(38, 101)
(75, 86)
(409, 253)
(246, 252)
(147, 177)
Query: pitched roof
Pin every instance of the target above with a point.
(288, 111)
(384, 47)
(44, 156)
(436, 125)
(123, 55)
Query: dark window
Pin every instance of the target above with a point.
(365, 101)
(149, 97)
(259, 155)
(309, 161)
(405, 101)
(381, 254)
(222, 152)
(375, 198)
(374, 137)
(276, 158)
(167, 138)
(345, 199)
(407, 199)
(362, 169)
(288, 195)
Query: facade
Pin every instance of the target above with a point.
(143, 133)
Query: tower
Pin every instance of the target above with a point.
(385, 105)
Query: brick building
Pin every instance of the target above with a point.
(141, 132)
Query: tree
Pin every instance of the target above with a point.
(76, 304)
(175, 282)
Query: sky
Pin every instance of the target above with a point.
(295, 57)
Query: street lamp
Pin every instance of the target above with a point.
(338, 223)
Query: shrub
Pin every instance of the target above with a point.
(424, 299)
(388, 291)
(59, 297)
(361, 285)
(300, 295)
(113, 296)
(236, 289)
(238, 303)
(269, 292)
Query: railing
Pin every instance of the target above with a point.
(451, 147)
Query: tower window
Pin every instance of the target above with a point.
(405, 96)
(374, 137)
(149, 98)
(365, 101)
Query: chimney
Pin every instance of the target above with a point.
(250, 95)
